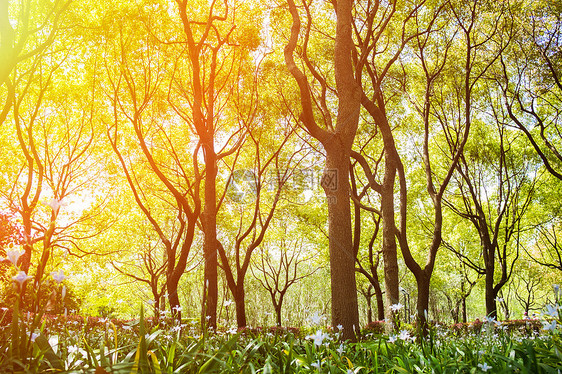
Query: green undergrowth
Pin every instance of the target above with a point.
(30, 346)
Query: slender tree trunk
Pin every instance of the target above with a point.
(157, 309)
(25, 259)
(173, 298)
(368, 298)
(422, 305)
(210, 286)
(378, 295)
(342, 259)
(278, 307)
(389, 249)
(278, 313)
(491, 307)
(240, 301)
(489, 263)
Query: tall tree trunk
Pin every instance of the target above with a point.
(337, 143)
(368, 298)
(173, 298)
(240, 301)
(25, 259)
(378, 294)
(380, 304)
(490, 294)
(422, 304)
(278, 305)
(345, 310)
(278, 313)
(210, 286)
(389, 249)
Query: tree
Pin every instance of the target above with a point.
(464, 289)
(433, 49)
(137, 92)
(531, 80)
(36, 30)
(495, 187)
(148, 265)
(377, 29)
(10, 236)
(214, 67)
(53, 145)
(525, 288)
(278, 276)
(236, 252)
(547, 250)
(337, 141)
(373, 256)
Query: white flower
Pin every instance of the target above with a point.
(340, 349)
(318, 337)
(72, 349)
(58, 276)
(404, 335)
(339, 327)
(316, 364)
(228, 303)
(316, 318)
(549, 326)
(14, 255)
(34, 336)
(176, 308)
(21, 278)
(484, 367)
(396, 307)
(392, 338)
(491, 320)
(552, 310)
(499, 299)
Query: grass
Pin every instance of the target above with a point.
(68, 345)
(39, 343)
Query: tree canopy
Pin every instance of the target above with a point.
(288, 158)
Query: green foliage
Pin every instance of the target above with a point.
(142, 347)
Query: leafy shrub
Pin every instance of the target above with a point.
(376, 327)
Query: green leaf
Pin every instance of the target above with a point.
(43, 344)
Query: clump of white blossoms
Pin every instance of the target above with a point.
(316, 319)
(484, 367)
(318, 337)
